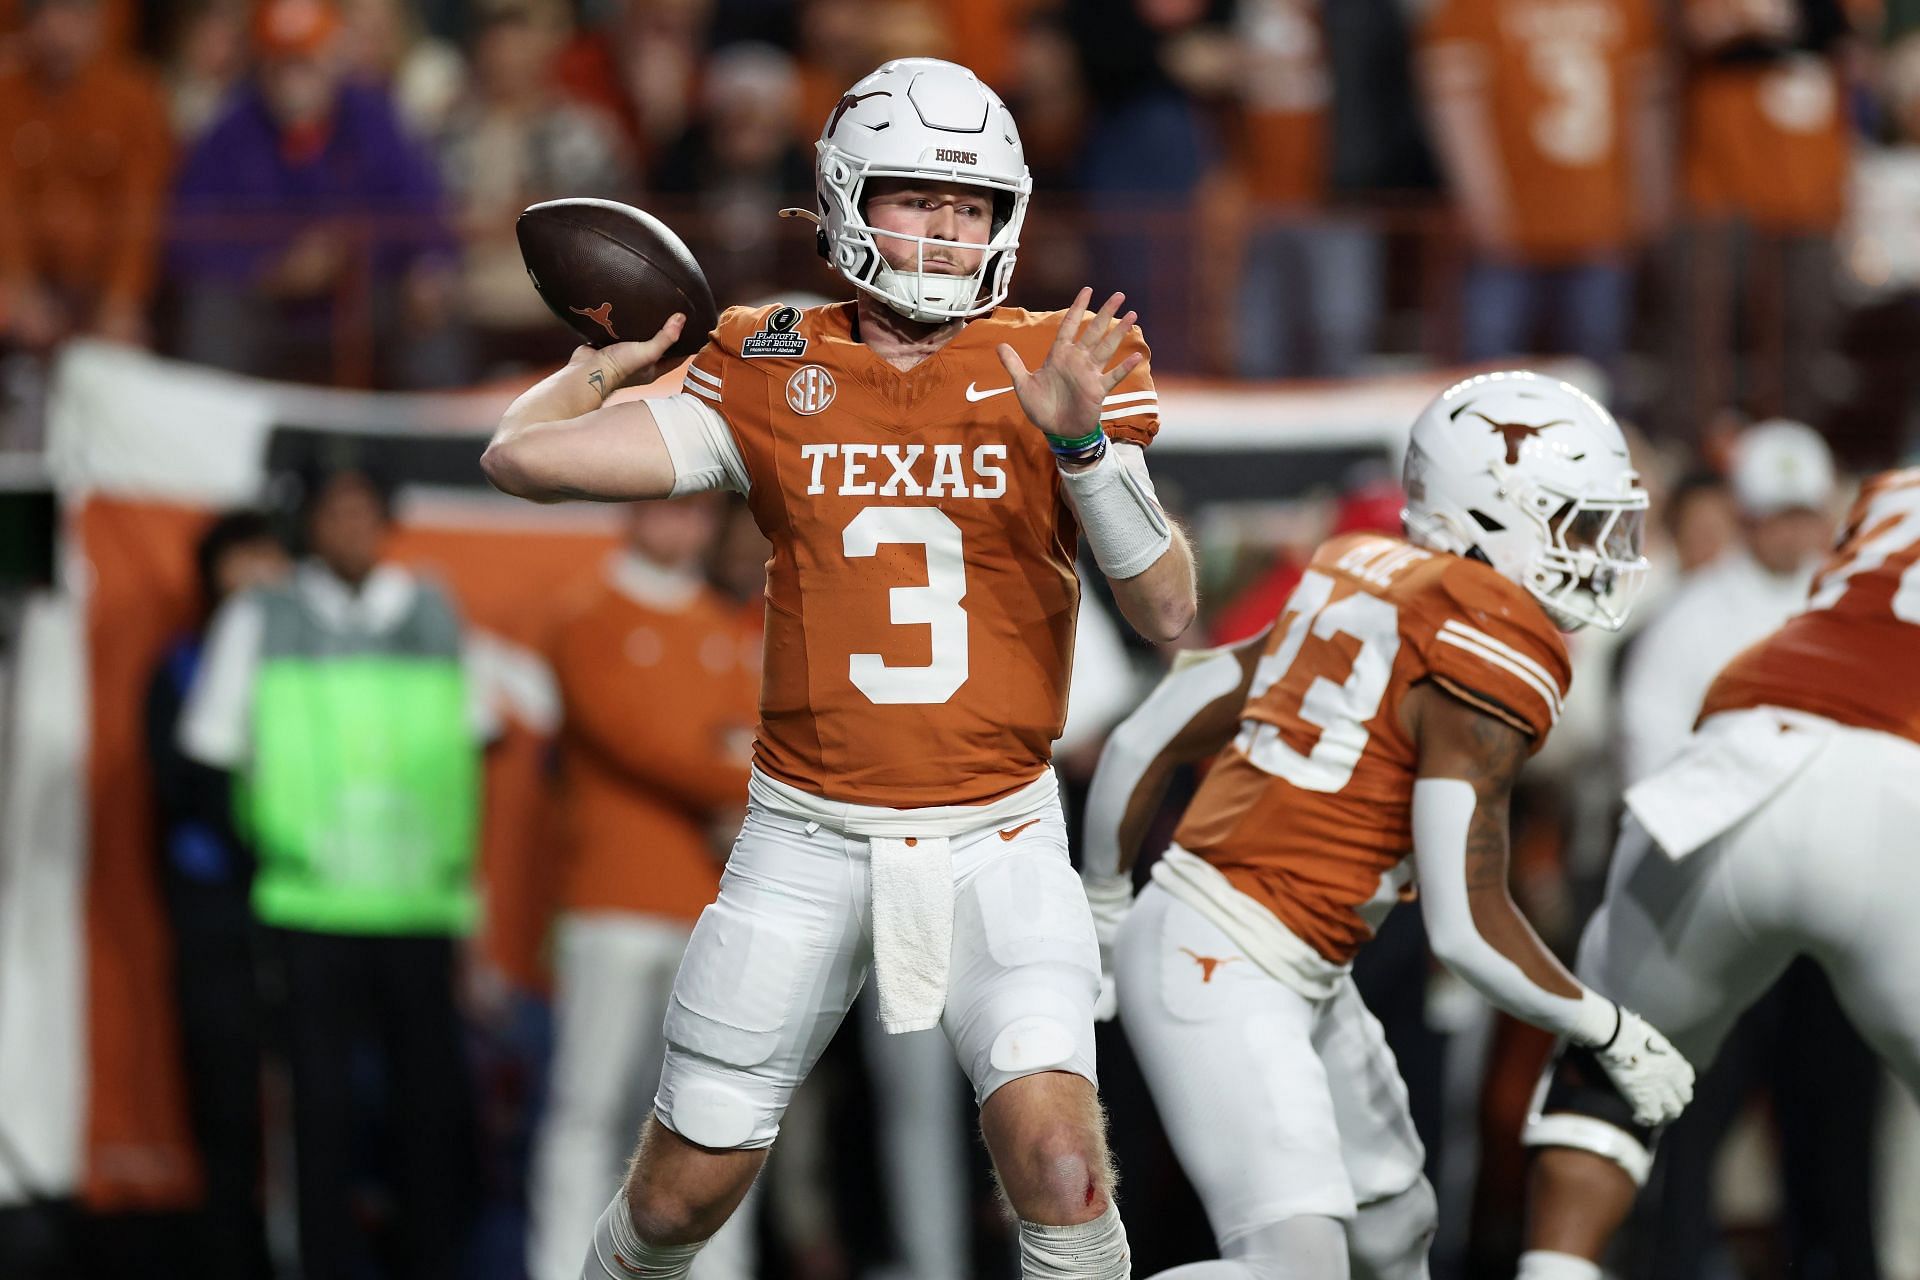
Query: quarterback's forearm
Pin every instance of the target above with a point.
(1161, 602)
(1191, 714)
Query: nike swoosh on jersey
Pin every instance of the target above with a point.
(1012, 833)
(974, 394)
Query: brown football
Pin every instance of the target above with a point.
(613, 273)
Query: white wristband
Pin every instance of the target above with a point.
(1125, 526)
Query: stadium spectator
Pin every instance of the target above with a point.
(1549, 122)
(1149, 145)
(206, 873)
(305, 204)
(514, 141)
(84, 155)
(1767, 144)
(340, 701)
(659, 691)
(385, 44)
(1310, 287)
(642, 68)
(206, 57)
(737, 161)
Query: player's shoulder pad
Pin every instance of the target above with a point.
(1486, 639)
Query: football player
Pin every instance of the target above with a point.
(923, 460)
(1385, 714)
(1779, 831)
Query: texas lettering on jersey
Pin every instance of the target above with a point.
(1853, 655)
(1309, 811)
(921, 592)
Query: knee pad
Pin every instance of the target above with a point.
(1577, 1106)
(697, 1101)
(1034, 1043)
(1094, 1250)
(1389, 1238)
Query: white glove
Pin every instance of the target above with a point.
(1649, 1072)
(1110, 897)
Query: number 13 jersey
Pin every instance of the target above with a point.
(921, 592)
(1309, 811)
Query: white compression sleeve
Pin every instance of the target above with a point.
(1094, 1250)
(1116, 505)
(701, 444)
(618, 1253)
(1442, 816)
(1138, 740)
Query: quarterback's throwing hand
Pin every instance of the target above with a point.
(1062, 396)
(1649, 1072)
(623, 364)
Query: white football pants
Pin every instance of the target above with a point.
(1824, 868)
(1278, 1106)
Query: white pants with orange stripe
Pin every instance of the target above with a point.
(776, 961)
(1277, 1106)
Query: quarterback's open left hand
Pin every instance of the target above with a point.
(1110, 897)
(1062, 397)
(1649, 1072)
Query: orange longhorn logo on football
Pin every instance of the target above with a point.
(859, 470)
(601, 315)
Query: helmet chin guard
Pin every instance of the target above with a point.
(1532, 475)
(921, 118)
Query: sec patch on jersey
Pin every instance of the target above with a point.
(614, 273)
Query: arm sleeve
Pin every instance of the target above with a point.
(1130, 414)
(1442, 815)
(1140, 740)
(701, 444)
(215, 723)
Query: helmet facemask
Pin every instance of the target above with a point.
(929, 297)
(1588, 566)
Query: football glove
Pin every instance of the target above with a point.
(1647, 1070)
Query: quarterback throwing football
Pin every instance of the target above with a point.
(1385, 713)
(923, 460)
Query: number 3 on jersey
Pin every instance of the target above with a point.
(1340, 709)
(935, 605)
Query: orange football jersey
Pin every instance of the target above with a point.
(1854, 655)
(921, 592)
(1310, 810)
(1559, 78)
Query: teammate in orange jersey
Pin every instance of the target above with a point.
(923, 460)
(1385, 713)
(1780, 830)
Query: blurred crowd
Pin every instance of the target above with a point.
(1711, 199)
(1715, 202)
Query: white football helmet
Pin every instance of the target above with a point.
(1532, 476)
(921, 118)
